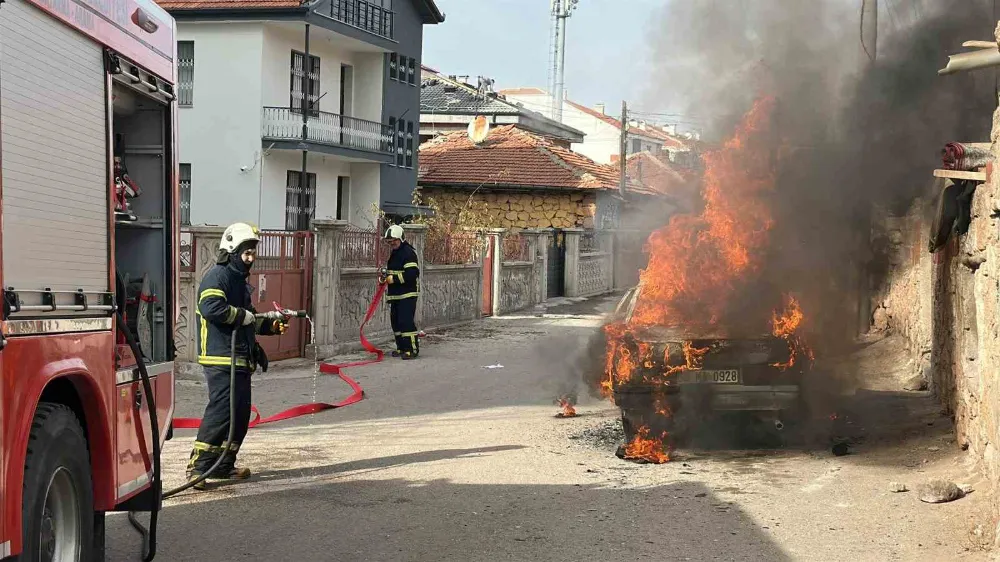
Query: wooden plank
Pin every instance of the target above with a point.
(960, 175)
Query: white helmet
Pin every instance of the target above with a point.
(236, 234)
(395, 232)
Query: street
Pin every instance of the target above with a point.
(453, 457)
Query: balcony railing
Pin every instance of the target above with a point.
(363, 15)
(283, 124)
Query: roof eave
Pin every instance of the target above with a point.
(431, 13)
(509, 186)
(264, 11)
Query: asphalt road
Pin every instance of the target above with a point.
(447, 459)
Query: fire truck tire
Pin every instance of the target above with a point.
(58, 501)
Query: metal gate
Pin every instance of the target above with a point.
(556, 274)
(283, 274)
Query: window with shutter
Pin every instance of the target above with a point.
(184, 181)
(303, 81)
(300, 203)
(409, 144)
(185, 73)
(400, 142)
(412, 72)
(393, 73)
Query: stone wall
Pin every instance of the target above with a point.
(521, 284)
(948, 308)
(589, 263)
(521, 210)
(452, 294)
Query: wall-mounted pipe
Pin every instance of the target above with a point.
(972, 60)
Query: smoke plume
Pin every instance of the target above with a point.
(855, 137)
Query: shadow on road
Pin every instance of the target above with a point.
(445, 521)
(382, 462)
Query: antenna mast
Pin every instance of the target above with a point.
(561, 11)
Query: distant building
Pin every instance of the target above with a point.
(603, 131)
(449, 104)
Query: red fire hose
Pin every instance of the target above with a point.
(356, 396)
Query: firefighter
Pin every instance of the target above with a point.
(224, 305)
(402, 275)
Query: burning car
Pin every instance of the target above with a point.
(666, 381)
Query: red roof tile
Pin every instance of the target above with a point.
(226, 4)
(510, 157)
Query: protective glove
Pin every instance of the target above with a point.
(280, 327)
(390, 279)
(248, 318)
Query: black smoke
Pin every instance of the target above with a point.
(856, 138)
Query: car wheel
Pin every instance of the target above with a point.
(58, 500)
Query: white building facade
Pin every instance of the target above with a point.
(602, 139)
(244, 138)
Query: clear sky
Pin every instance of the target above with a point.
(508, 40)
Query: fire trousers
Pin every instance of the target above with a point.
(402, 316)
(214, 429)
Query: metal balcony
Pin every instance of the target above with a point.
(328, 129)
(363, 15)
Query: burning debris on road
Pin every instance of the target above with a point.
(568, 411)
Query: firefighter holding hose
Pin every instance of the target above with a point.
(402, 275)
(224, 305)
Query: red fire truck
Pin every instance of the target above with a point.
(89, 235)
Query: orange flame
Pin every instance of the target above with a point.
(696, 261)
(785, 326)
(568, 411)
(644, 448)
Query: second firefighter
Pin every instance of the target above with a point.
(402, 275)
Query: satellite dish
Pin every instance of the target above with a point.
(479, 128)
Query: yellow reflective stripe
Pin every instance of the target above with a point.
(211, 293)
(401, 297)
(394, 271)
(202, 446)
(204, 334)
(411, 264)
(231, 317)
(409, 334)
(218, 360)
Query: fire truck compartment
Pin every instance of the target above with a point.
(55, 185)
(143, 247)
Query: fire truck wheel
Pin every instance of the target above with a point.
(58, 503)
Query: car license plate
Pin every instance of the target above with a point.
(719, 376)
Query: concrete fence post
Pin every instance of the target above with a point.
(572, 274)
(416, 235)
(498, 234)
(326, 283)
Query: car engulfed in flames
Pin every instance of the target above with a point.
(666, 382)
(692, 339)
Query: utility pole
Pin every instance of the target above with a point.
(869, 47)
(561, 11)
(622, 148)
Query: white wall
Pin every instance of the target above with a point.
(601, 141)
(279, 42)
(276, 166)
(239, 69)
(221, 132)
(365, 190)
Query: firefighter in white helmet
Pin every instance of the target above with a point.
(402, 274)
(224, 305)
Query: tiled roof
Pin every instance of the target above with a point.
(658, 175)
(438, 95)
(226, 4)
(510, 157)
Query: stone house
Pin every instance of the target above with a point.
(526, 180)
